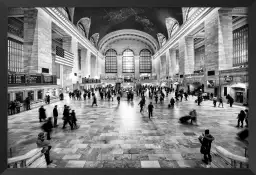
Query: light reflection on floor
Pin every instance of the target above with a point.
(113, 135)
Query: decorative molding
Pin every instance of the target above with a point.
(129, 32)
(65, 23)
(86, 22)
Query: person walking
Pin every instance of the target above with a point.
(55, 116)
(42, 114)
(66, 118)
(150, 110)
(246, 118)
(73, 119)
(241, 116)
(220, 102)
(214, 99)
(141, 103)
(94, 100)
(156, 98)
(231, 101)
(118, 99)
(47, 127)
(193, 116)
(45, 144)
(206, 140)
(186, 96)
(172, 102)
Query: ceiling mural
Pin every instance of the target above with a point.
(107, 20)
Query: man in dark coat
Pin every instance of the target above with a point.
(150, 110)
(45, 144)
(55, 116)
(47, 127)
(42, 114)
(231, 101)
(206, 141)
(67, 118)
(172, 101)
(246, 118)
(73, 119)
(241, 116)
(28, 103)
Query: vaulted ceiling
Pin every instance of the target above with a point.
(107, 20)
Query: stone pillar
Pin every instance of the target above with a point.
(83, 63)
(61, 76)
(137, 66)
(12, 96)
(119, 65)
(189, 59)
(75, 69)
(167, 55)
(35, 95)
(93, 66)
(37, 41)
(218, 42)
(225, 39)
(182, 56)
(173, 63)
(162, 66)
(88, 63)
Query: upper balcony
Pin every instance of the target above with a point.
(23, 79)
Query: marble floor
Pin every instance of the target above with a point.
(119, 136)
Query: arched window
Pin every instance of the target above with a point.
(65, 12)
(145, 61)
(81, 29)
(128, 61)
(174, 29)
(111, 61)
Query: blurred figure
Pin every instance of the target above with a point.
(150, 110)
(42, 143)
(42, 114)
(47, 127)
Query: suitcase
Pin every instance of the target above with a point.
(185, 119)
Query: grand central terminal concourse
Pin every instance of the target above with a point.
(128, 87)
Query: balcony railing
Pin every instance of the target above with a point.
(22, 79)
(90, 80)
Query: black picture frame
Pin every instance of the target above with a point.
(121, 3)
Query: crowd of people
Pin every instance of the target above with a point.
(152, 92)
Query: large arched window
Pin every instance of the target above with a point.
(174, 29)
(81, 29)
(111, 61)
(128, 61)
(145, 61)
(65, 12)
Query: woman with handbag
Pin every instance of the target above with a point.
(206, 141)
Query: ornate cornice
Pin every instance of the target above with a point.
(185, 28)
(68, 25)
(140, 36)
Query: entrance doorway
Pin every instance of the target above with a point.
(239, 97)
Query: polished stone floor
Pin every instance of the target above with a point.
(112, 136)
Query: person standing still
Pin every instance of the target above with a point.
(55, 116)
(206, 141)
(150, 110)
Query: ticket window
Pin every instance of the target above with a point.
(40, 94)
(239, 97)
(19, 96)
(31, 95)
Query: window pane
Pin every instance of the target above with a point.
(111, 61)
(15, 55)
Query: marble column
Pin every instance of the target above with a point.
(137, 66)
(37, 41)
(189, 58)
